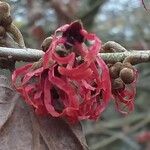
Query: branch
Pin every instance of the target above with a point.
(31, 55)
(133, 56)
(26, 54)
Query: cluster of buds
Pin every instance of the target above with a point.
(71, 81)
(123, 79)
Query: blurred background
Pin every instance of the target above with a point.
(124, 21)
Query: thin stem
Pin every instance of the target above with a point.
(31, 55)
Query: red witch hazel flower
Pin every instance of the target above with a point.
(72, 82)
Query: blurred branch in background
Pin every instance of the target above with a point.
(88, 17)
(122, 22)
(105, 128)
(41, 18)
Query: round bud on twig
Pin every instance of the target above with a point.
(4, 9)
(118, 84)
(115, 70)
(127, 75)
(6, 21)
(118, 65)
(127, 65)
(2, 31)
(46, 43)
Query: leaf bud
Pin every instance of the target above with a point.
(46, 43)
(127, 75)
(4, 9)
(118, 84)
(115, 70)
(6, 21)
(127, 65)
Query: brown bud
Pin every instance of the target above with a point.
(111, 47)
(4, 8)
(117, 84)
(46, 43)
(6, 21)
(127, 75)
(115, 70)
(127, 65)
(2, 31)
(118, 65)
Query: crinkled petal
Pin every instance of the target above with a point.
(75, 73)
(47, 99)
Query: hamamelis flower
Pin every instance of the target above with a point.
(72, 82)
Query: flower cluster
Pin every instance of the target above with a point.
(72, 82)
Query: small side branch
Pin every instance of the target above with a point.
(31, 55)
